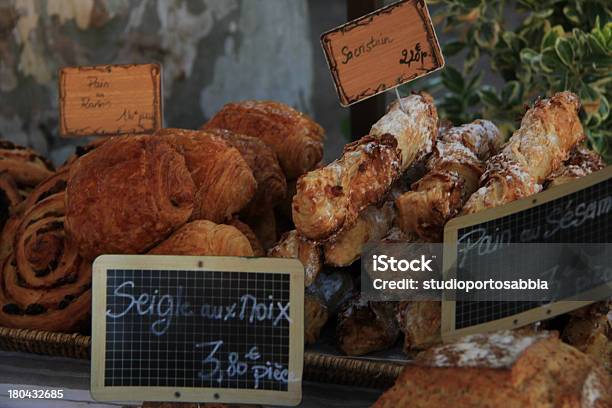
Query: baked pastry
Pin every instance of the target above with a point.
(589, 329)
(296, 139)
(45, 284)
(24, 165)
(454, 170)
(9, 198)
(315, 317)
(83, 150)
(250, 235)
(364, 327)
(371, 225)
(413, 123)
(420, 323)
(264, 228)
(271, 183)
(224, 183)
(127, 196)
(331, 198)
(548, 132)
(203, 237)
(581, 162)
(334, 287)
(292, 245)
(502, 369)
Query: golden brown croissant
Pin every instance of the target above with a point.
(315, 317)
(413, 123)
(271, 183)
(203, 237)
(45, 284)
(24, 165)
(547, 134)
(250, 235)
(223, 180)
(454, 170)
(296, 139)
(331, 198)
(127, 195)
(372, 225)
(292, 245)
(581, 162)
(364, 327)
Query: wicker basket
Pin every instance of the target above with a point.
(317, 367)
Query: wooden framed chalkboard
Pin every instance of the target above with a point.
(561, 214)
(197, 329)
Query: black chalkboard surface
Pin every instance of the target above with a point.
(182, 328)
(577, 213)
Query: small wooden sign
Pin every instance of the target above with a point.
(197, 329)
(107, 100)
(382, 50)
(576, 216)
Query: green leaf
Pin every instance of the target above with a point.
(564, 51)
(551, 36)
(471, 59)
(529, 56)
(453, 48)
(512, 93)
(550, 62)
(571, 14)
(487, 34)
(452, 79)
(488, 96)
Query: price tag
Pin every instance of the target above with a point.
(197, 329)
(382, 50)
(108, 100)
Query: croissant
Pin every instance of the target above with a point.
(45, 284)
(330, 198)
(223, 180)
(454, 170)
(127, 195)
(547, 134)
(580, 163)
(292, 245)
(271, 183)
(364, 327)
(296, 139)
(372, 225)
(203, 237)
(83, 150)
(413, 123)
(250, 235)
(24, 165)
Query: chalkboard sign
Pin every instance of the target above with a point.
(575, 213)
(183, 328)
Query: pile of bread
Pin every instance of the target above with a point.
(250, 183)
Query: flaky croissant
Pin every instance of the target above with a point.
(454, 170)
(203, 237)
(224, 183)
(292, 245)
(330, 198)
(296, 139)
(413, 123)
(271, 183)
(127, 195)
(250, 235)
(547, 134)
(580, 163)
(372, 225)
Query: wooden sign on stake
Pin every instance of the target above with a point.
(382, 50)
(108, 100)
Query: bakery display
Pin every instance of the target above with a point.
(453, 173)
(501, 369)
(548, 132)
(581, 162)
(296, 139)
